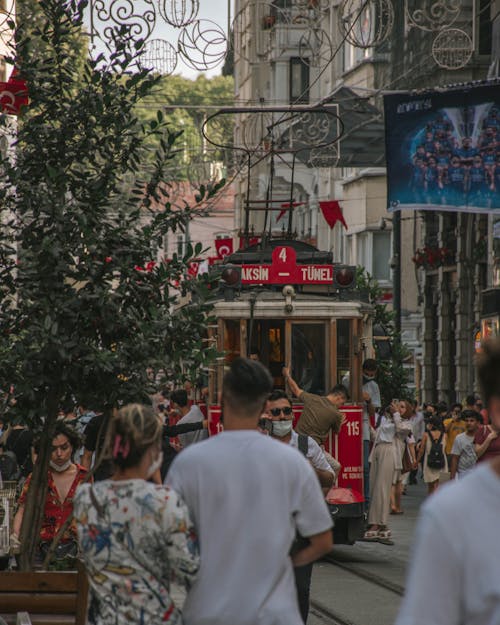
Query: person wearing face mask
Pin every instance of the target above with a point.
(279, 412)
(134, 536)
(64, 477)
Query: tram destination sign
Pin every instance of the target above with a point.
(284, 270)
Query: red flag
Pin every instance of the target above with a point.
(332, 213)
(224, 247)
(13, 95)
(287, 205)
(251, 241)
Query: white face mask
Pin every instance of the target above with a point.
(282, 428)
(60, 468)
(155, 465)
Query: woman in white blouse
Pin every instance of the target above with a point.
(385, 459)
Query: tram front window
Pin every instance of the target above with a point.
(308, 357)
(267, 340)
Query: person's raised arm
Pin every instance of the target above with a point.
(481, 448)
(294, 387)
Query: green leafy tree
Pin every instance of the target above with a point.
(84, 306)
(392, 377)
(187, 104)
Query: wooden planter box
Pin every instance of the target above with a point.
(49, 597)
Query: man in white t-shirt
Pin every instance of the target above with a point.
(280, 413)
(248, 496)
(463, 454)
(453, 577)
(179, 401)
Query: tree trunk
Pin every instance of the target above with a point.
(35, 500)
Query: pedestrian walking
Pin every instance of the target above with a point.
(454, 566)
(248, 496)
(432, 451)
(385, 459)
(279, 410)
(463, 454)
(64, 477)
(487, 442)
(134, 536)
(179, 402)
(404, 443)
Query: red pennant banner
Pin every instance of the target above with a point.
(13, 95)
(251, 241)
(286, 206)
(224, 247)
(332, 213)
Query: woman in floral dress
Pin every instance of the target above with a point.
(135, 537)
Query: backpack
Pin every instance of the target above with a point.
(435, 457)
(303, 444)
(9, 469)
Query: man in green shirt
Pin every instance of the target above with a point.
(320, 414)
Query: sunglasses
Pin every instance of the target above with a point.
(277, 411)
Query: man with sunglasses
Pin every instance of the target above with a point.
(279, 412)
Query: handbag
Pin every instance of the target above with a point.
(406, 461)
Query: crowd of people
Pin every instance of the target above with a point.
(141, 515)
(448, 169)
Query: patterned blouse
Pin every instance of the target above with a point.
(135, 539)
(56, 511)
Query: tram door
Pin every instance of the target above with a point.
(266, 337)
(308, 357)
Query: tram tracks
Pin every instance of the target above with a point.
(329, 616)
(369, 576)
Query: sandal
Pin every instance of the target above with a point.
(385, 534)
(371, 535)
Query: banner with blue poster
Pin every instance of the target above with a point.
(443, 149)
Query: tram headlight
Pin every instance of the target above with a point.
(344, 276)
(230, 277)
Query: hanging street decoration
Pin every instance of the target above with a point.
(365, 24)
(431, 15)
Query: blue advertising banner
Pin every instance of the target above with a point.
(443, 149)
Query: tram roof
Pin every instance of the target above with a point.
(306, 253)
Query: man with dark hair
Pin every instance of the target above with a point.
(319, 414)
(279, 411)
(248, 495)
(179, 401)
(463, 455)
(453, 578)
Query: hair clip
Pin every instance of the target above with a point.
(120, 448)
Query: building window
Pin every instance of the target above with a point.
(299, 81)
(374, 253)
(381, 255)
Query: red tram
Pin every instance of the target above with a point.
(288, 303)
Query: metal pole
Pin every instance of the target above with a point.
(396, 275)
